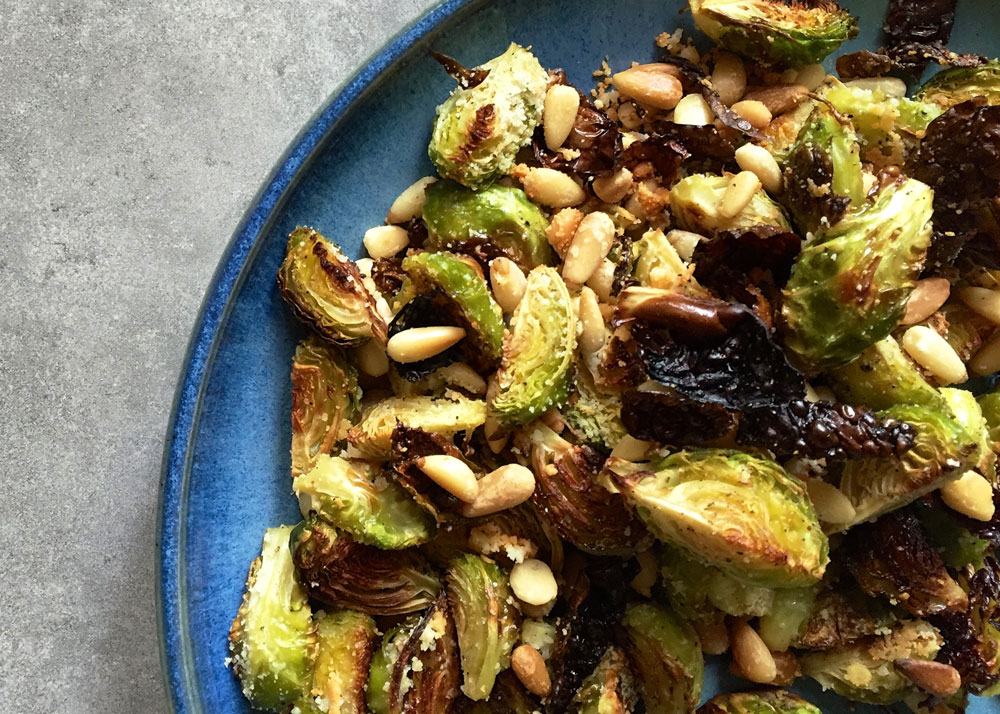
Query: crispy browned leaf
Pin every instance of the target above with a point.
(695, 80)
(595, 140)
(863, 63)
(409, 444)
(842, 615)
(917, 30)
(670, 418)
(466, 78)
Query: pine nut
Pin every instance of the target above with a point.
(602, 280)
(779, 98)
(889, 86)
(419, 343)
(508, 283)
(684, 242)
(787, 669)
(410, 203)
(738, 194)
(591, 243)
(559, 114)
(933, 353)
(937, 678)
(613, 188)
(593, 333)
(562, 228)
(385, 241)
(750, 655)
(987, 359)
(729, 78)
(693, 110)
(529, 667)
(533, 582)
(757, 159)
(552, 188)
(690, 53)
(372, 359)
(501, 489)
(461, 375)
(714, 637)
(928, 295)
(831, 505)
(811, 76)
(754, 112)
(983, 301)
(631, 449)
(655, 85)
(971, 495)
(452, 474)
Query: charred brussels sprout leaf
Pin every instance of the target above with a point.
(972, 638)
(666, 654)
(326, 292)
(352, 496)
(849, 286)
(538, 351)
(595, 143)
(337, 570)
(959, 84)
(373, 434)
(694, 202)
(477, 131)
(780, 33)
(773, 701)
(609, 689)
(740, 513)
(272, 641)
(325, 401)
(486, 621)
(497, 220)
(345, 641)
(841, 615)
(883, 376)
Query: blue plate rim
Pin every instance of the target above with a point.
(178, 670)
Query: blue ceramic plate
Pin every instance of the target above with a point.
(225, 476)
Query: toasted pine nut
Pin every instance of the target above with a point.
(613, 188)
(593, 333)
(779, 98)
(602, 280)
(693, 110)
(631, 449)
(591, 243)
(971, 495)
(928, 295)
(690, 53)
(714, 637)
(787, 667)
(532, 582)
(684, 242)
(729, 78)
(750, 654)
(559, 114)
(754, 112)
(984, 301)
(419, 343)
(655, 85)
(987, 359)
(811, 76)
(933, 353)
(385, 241)
(552, 188)
(372, 359)
(738, 194)
(410, 203)
(562, 228)
(501, 489)
(529, 666)
(831, 505)
(508, 283)
(461, 375)
(937, 678)
(889, 86)
(452, 474)
(757, 159)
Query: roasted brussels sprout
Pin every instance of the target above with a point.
(694, 202)
(479, 129)
(772, 701)
(883, 376)
(786, 620)
(972, 638)
(495, 220)
(849, 286)
(272, 641)
(657, 263)
(702, 593)
(537, 352)
(735, 511)
(593, 414)
(372, 436)
(354, 497)
(345, 643)
(609, 689)
(775, 32)
(326, 290)
(955, 85)
(841, 615)
(966, 410)
(864, 671)
(325, 401)
(337, 570)
(486, 621)
(666, 654)
(990, 405)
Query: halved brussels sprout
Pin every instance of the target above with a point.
(609, 689)
(508, 697)
(666, 654)
(694, 202)
(479, 129)
(864, 671)
(771, 701)
(496, 219)
(345, 643)
(354, 497)
(735, 511)
(337, 570)
(655, 252)
(325, 401)
(326, 290)
(990, 405)
(467, 289)
(955, 85)
(703, 593)
(594, 414)
(486, 621)
(849, 286)
(883, 376)
(967, 412)
(536, 372)
(843, 614)
(963, 329)
(272, 641)
(372, 436)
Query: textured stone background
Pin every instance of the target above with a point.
(132, 137)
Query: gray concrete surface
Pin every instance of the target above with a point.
(132, 137)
